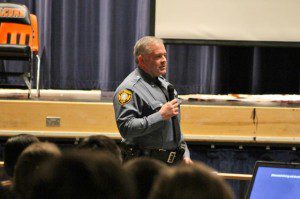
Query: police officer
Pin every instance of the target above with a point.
(146, 115)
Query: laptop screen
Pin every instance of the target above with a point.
(275, 180)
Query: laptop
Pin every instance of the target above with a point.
(275, 180)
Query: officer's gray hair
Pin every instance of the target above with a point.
(142, 46)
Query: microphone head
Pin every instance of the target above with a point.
(170, 88)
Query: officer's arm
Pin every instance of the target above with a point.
(186, 155)
(130, 121)
(187, 151)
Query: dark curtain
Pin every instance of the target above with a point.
(233, 69)
(88, 45)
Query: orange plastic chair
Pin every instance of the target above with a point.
(19, 39)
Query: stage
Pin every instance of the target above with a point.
(205, 118)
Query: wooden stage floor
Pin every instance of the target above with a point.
(205, 118)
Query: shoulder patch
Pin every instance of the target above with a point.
(124, 96)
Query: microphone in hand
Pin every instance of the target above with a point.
(171, 92)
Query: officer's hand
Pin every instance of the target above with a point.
(169, 109)
(187, 160)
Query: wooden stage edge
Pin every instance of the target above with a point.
(205, 123)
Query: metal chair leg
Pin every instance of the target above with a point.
(38, 76)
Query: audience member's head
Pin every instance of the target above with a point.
(190, 182)
(29, 162)
(13, 148)
(101, 143)
(144, 172)
(83, 174)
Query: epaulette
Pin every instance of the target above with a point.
(129, 84)
(135, 80)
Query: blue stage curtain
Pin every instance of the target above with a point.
(89, 44)
(234, 69)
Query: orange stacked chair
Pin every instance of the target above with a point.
(19, 40)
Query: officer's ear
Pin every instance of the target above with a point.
(140, 60)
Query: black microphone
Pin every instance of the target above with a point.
(175, 124)
(171, 92)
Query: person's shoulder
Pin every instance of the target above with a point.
(129, 82)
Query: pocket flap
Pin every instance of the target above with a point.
(156, 105)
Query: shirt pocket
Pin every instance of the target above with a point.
(156, 105)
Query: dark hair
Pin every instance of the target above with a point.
(101, 143)
(82, 174)
(144, 172)
(29, 162)
(191, 182)
(13, 149)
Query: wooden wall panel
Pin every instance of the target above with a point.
(200, 123)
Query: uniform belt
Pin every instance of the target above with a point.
(167, 156)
